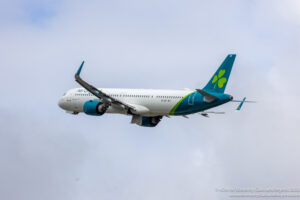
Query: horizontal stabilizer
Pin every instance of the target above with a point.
(213, 112)
(241, 104)
(205, 113)
(242, 101)
(207, 96)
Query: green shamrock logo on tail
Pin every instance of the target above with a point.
(219, 79)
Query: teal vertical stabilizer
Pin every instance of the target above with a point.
(219, 80)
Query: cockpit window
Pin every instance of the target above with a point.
(64, 94)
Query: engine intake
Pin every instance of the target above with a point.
(94, 107)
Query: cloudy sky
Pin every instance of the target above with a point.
(48, 154)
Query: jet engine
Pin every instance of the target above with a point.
(94, 107)
(146, 121)
(150, 121)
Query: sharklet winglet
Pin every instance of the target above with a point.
(79, 69)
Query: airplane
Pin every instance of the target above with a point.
(148, 106)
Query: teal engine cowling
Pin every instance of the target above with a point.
(150, 121)
(94, 107)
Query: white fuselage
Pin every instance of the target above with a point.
(149, 102)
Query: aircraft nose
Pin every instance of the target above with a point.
(61, 103)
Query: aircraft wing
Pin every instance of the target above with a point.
(101, 95)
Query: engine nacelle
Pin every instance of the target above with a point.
(94, 107)
(145, 121)
(150, 121)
